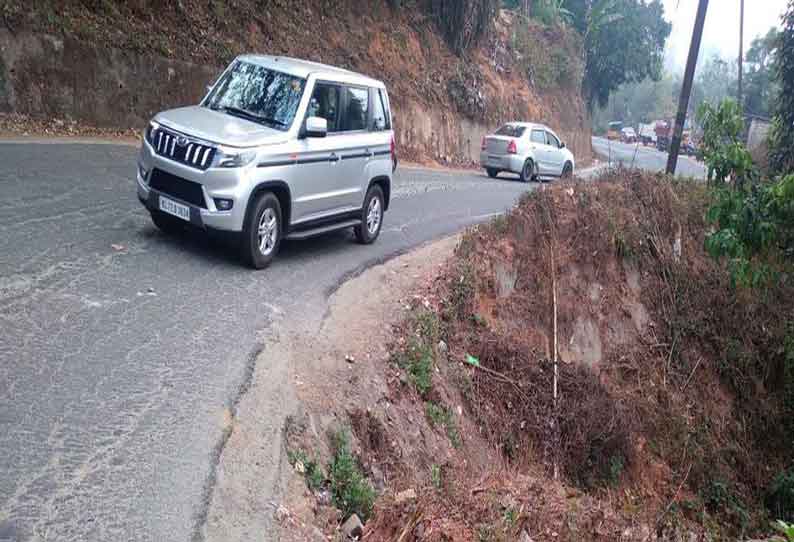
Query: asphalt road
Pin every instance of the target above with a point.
(121, 348)
(633, 155)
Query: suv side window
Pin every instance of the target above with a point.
(379, 118)
(538, 136)
(553, 141)
(325, 103)
(356, 111)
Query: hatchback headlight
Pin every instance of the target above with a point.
(233, 157)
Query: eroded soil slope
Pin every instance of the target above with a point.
(671, 417)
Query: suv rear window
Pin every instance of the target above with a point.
(380, 112)
(511, 130)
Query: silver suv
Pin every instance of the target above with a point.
(278, 148)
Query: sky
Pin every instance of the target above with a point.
(721, 32)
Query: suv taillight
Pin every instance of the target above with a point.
(483, 145)
(511, 147)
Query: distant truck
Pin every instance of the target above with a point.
(647, 133)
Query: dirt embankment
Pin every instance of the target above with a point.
(672, 415)
(115, 64)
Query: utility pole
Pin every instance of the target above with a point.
(686, 89)
(741, 53)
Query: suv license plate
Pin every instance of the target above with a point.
(176, 209)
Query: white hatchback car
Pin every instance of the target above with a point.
(533, 151)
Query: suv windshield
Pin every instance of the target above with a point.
(258, 94)
(511, 130)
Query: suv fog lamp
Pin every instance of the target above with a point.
(224, 204)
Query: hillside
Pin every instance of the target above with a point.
(673, 415)
(114, 64)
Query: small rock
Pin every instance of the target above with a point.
(442, 347)
(404, 496)
(353, 528)
(524, 537)
(419, 531)
(350, 359)
(403, 379)
(117, 248)
(300, 467)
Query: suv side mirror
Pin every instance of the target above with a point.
(562, 144)
(316, 127)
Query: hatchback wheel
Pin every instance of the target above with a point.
(492, 173)
(262, 232)
(567, 170)
(528, 171)
(372, 216)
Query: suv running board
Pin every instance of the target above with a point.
(305, 234)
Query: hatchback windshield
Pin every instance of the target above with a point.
(258, 94)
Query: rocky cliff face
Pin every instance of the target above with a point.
(116, 66)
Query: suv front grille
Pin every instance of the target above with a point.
(181, 149)
(180, 188)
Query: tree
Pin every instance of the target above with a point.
(463, 22)
(781, 155)
(760, 88)
(623, 41)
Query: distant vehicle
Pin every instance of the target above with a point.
(531, 150)
(647, 133)
(663, 131)
(628, 135)
(278, 148)
(613, 132)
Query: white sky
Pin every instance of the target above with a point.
(721, 32)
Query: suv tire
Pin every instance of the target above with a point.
(528, 171)
(167, 224)
(371, 216)
(261, 236)
(492, 173)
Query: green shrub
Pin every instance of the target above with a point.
(440, 416)
(780, 496)
(351, 492)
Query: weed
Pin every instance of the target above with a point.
(499, 223)
(435, 476)
(417, 359)
(440, 416)
(351, 492)
(510, 516)
(429, 327)
(312, 471)
(462, 291)
(616, 466)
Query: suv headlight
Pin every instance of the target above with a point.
(233, 157)
(148, 134)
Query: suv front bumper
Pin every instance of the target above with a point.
(231, 184)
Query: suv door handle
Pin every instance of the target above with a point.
(334, 157)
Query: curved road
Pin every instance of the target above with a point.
(122, 349)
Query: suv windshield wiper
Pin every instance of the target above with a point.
(250, 116)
